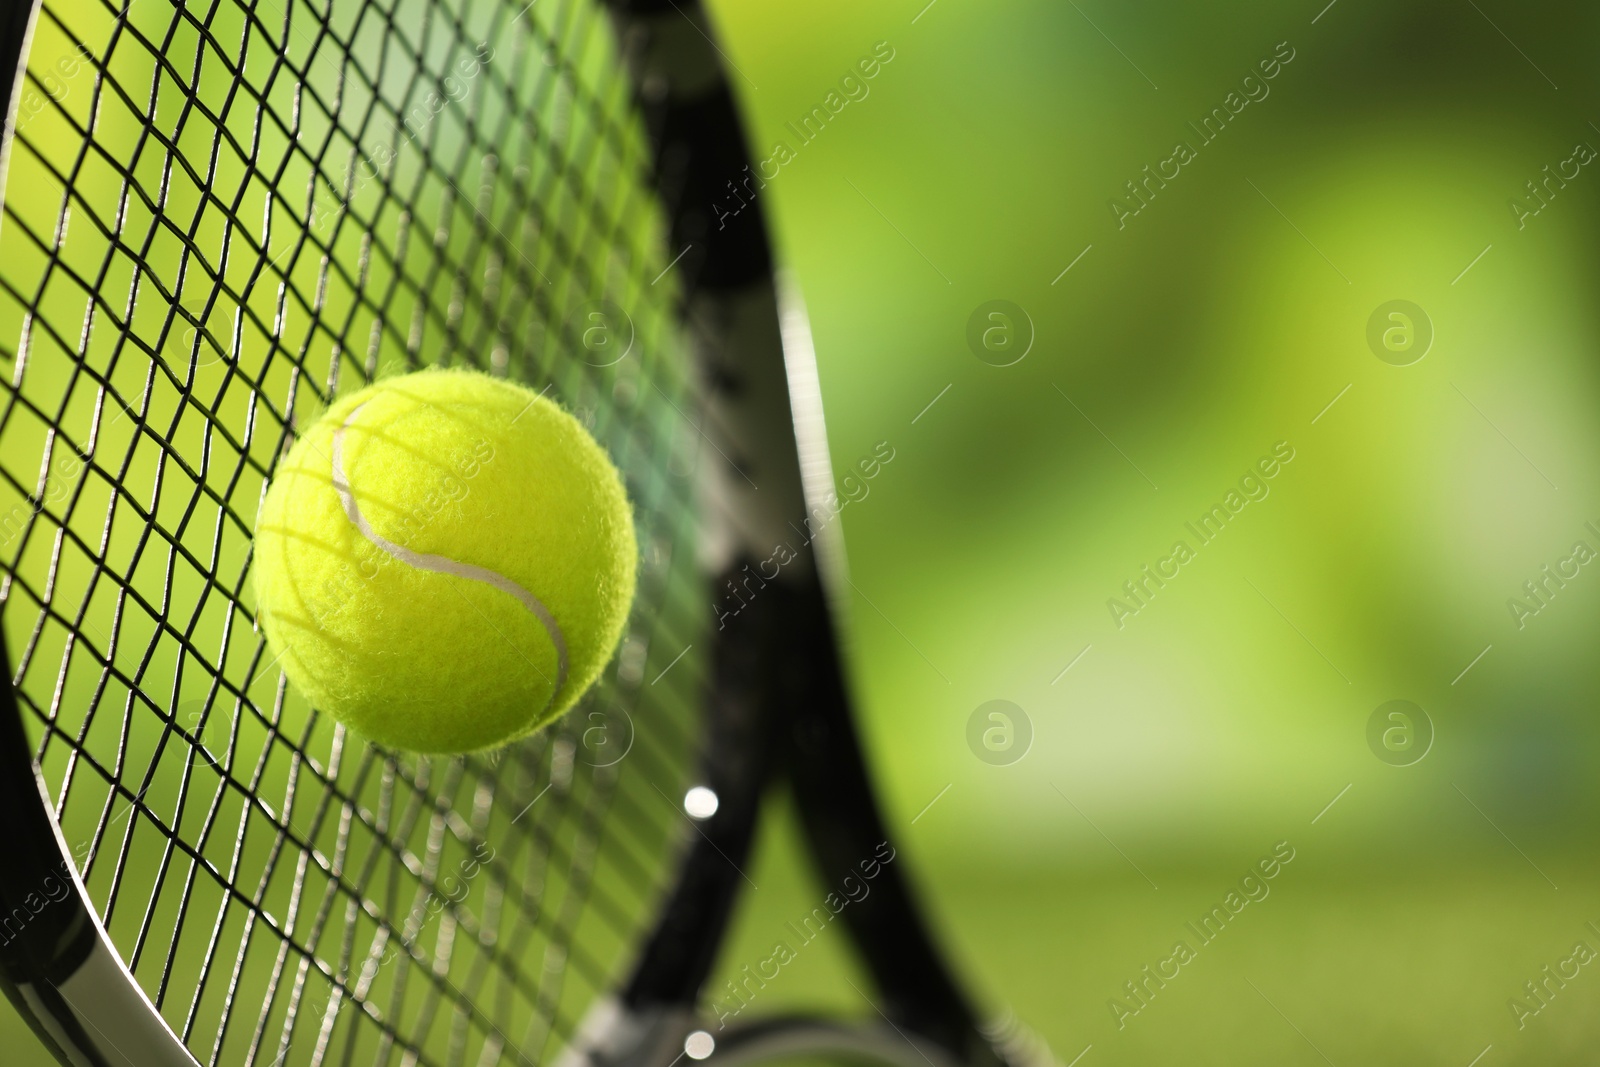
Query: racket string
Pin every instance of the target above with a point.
(194, 268)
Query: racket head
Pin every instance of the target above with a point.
(217, 219)
(432, 184)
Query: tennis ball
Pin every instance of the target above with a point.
(444, 562)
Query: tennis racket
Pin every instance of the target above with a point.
(219, 216)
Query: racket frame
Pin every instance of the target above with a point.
(778, 710)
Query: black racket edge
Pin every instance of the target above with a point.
(779, 711)
(57, 965)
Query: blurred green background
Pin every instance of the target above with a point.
(1229, 713)
(1221, 319)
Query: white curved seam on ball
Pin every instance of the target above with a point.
(426, 561)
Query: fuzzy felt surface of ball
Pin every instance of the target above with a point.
(444, 561)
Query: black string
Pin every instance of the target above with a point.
(227, 213)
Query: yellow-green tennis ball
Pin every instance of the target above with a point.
(444, 561)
